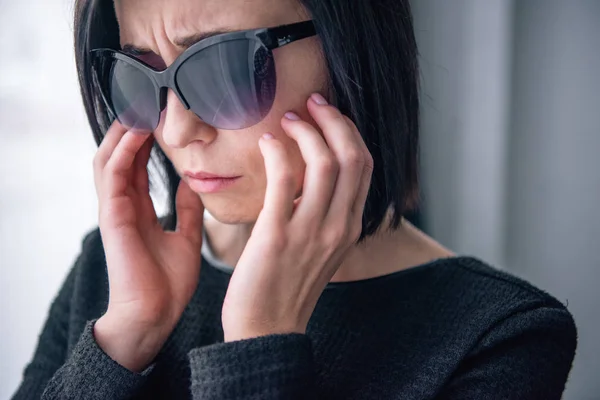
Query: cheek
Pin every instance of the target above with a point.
(301, 71)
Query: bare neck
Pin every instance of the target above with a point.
(384, 253)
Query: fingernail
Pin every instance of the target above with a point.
(317, 98)
(292, 116)
(267, 136)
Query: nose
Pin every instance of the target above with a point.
(180, 127)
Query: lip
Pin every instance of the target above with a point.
(210, 185)
(207, 175)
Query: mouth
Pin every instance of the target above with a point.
(207, 175)
(205, 182)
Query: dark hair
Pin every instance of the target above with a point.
(371, 53)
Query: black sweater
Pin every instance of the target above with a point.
(454, 328)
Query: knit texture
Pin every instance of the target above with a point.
(455, 328)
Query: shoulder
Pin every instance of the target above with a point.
(463, 302)
(492, 303)
(492, 286)
(515, 333)
(484, 286)
(463, 321)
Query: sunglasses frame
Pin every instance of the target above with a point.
(271, 38)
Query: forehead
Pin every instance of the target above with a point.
(142, 20)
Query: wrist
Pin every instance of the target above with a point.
(132, 346)
(232, 335)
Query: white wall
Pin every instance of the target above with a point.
(47, 198)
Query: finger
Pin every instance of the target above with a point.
(141, 182)
(140, 166)
(358, 136)
(190, 213)
(118, 170)
(349, 155)
(367, 173)
(321, 169)
(109, 143)
(280, 192)
(107, 146)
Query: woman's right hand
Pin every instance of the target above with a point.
(152, 273)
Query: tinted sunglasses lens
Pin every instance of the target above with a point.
(230, 85)
(133, 97)
(129, 93)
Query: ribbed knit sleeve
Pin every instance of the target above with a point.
(90, 373)
(276, 366)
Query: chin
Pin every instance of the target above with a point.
(232, 214)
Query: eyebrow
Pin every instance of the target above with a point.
(183, 42)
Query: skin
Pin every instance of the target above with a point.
(288, 225)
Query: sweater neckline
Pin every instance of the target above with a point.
(227, 270)
(360, 283)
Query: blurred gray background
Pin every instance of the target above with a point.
(511, 133)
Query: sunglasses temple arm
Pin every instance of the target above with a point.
(285, 34)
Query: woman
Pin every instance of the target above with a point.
(306, 283)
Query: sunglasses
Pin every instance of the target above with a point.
(227, 80)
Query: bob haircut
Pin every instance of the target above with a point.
(371, 53)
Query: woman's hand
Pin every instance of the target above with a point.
(152, 273)
(295, 249)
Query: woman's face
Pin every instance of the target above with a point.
(191, 144)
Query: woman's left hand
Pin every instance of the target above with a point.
(297, 246)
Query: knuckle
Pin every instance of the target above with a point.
(108, 170)
(327, 165)
(128, 152)
(334, 113)
(285, 178)
(348, 121)
(369, 162)
(104, 215)
(304, 236)
(277, 241)
(97, 161)
(334, 237)
(356, 231)
(105, 181)
(353, 157)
